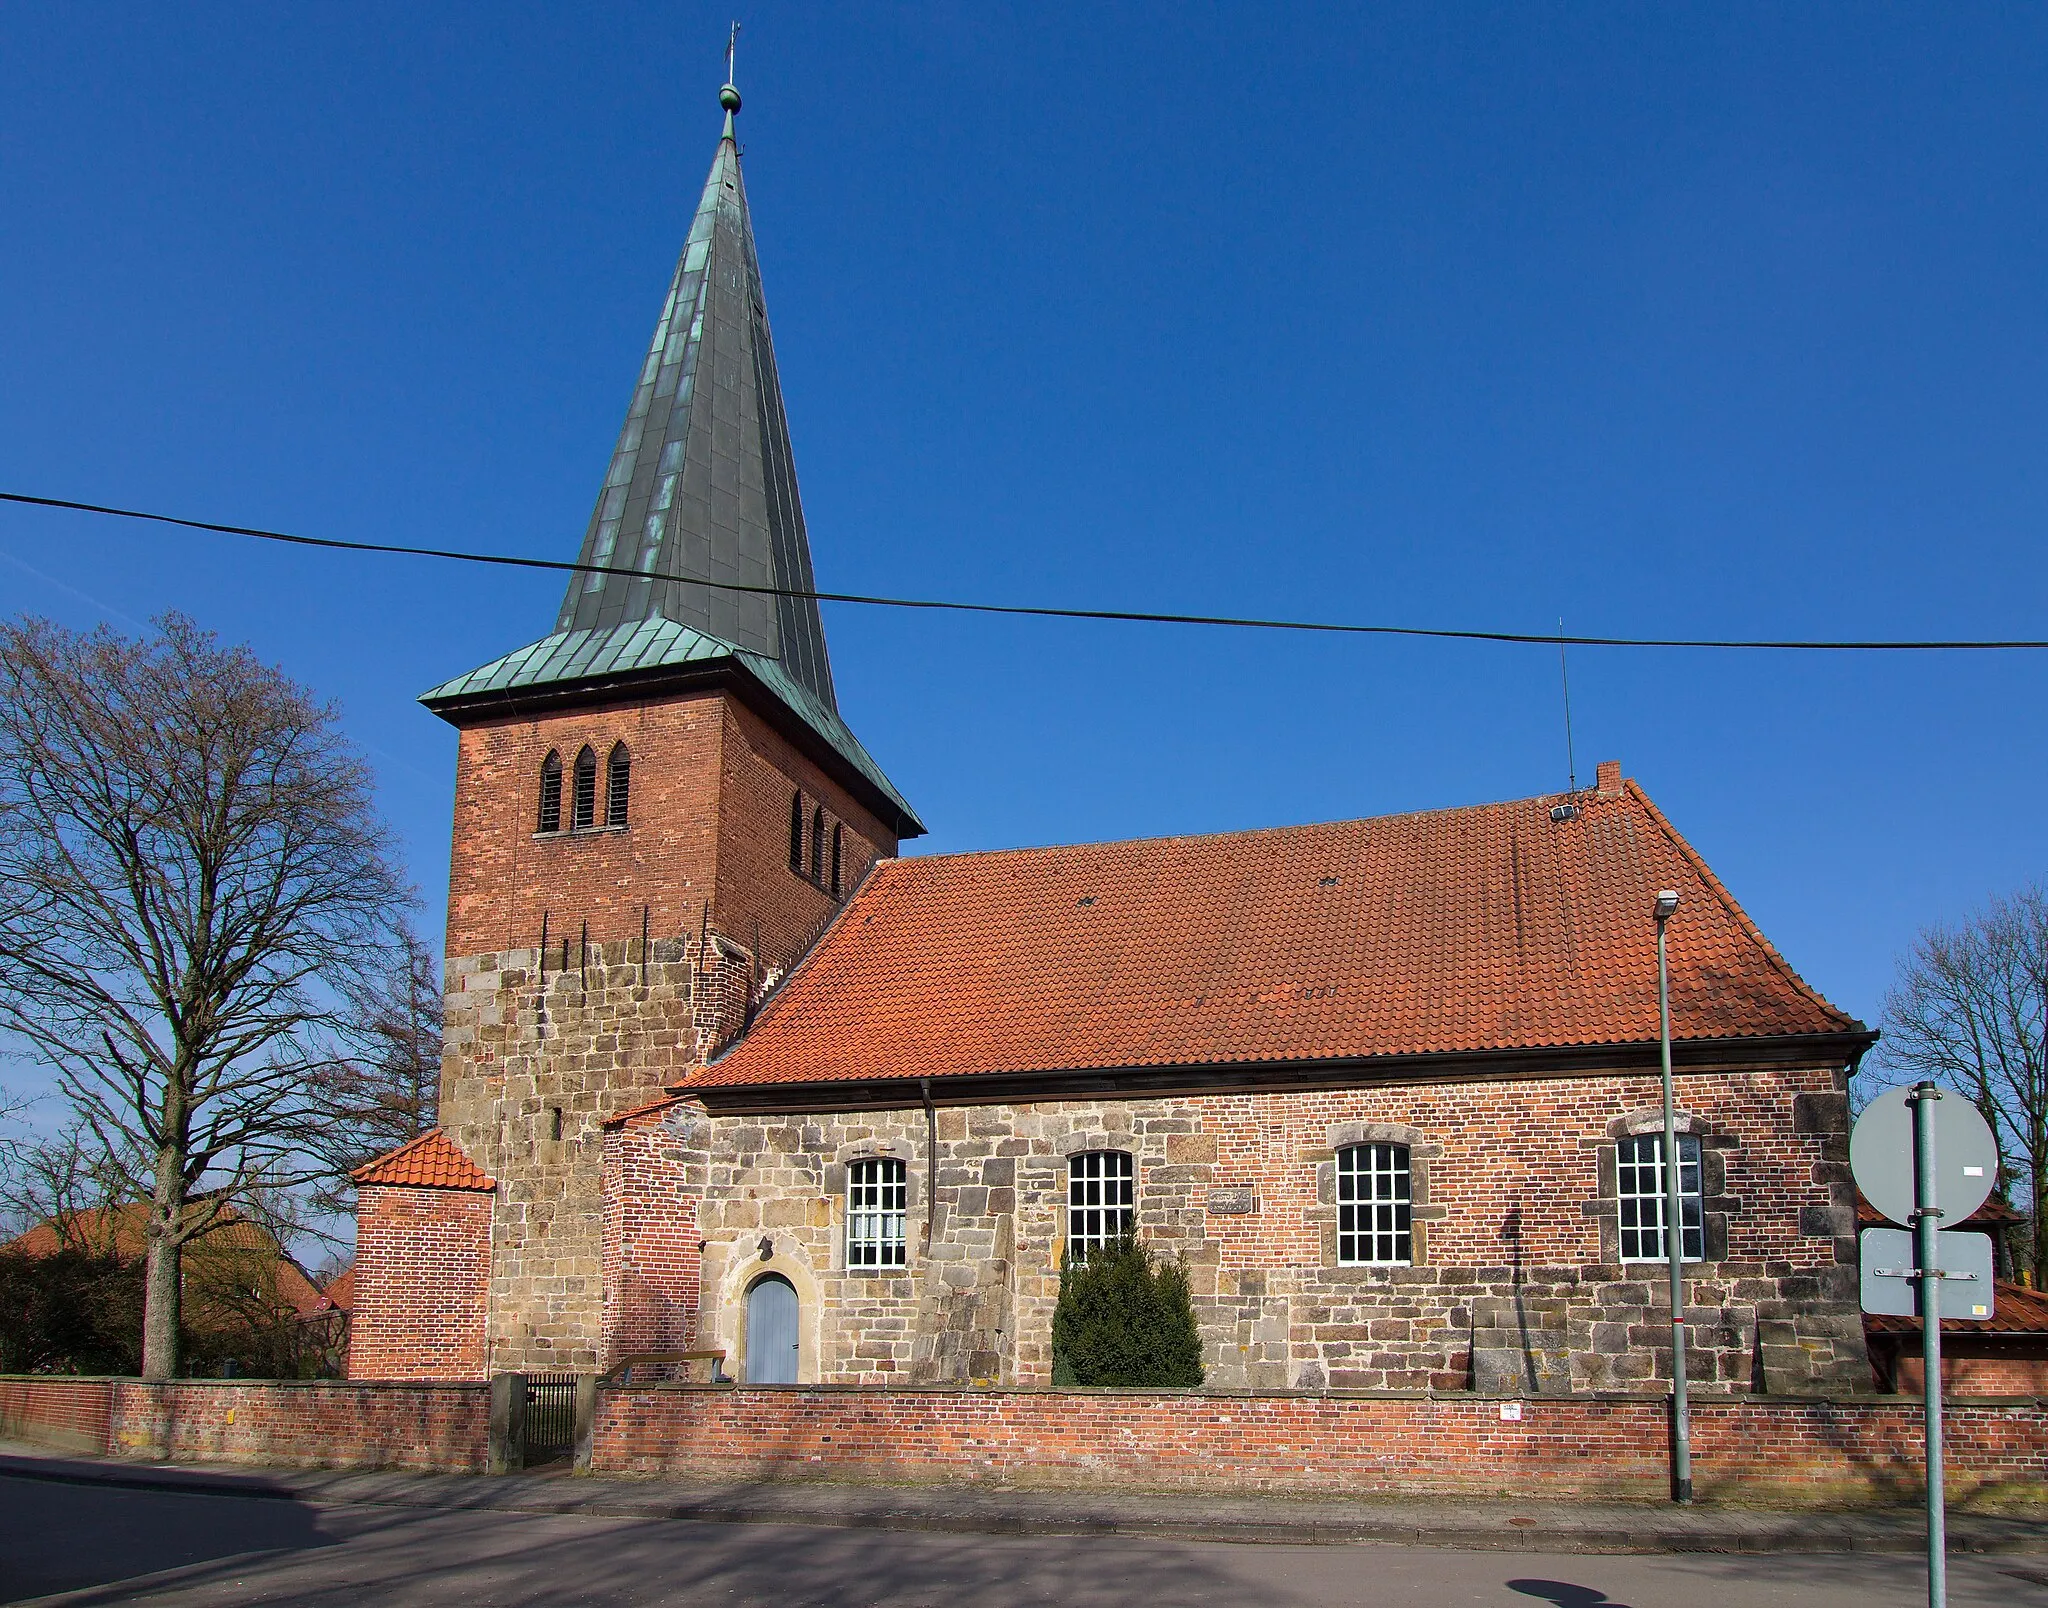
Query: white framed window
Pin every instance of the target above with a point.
(1374, 1207)
(1101, 1199)
(1641, 1184)
(877, 1191)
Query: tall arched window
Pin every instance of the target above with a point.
(551, 792)
(818, 844)
(796, 832)
(838, 849)
(1101, 1200)
(583, 801)
(618, 779)
(1374, 1207)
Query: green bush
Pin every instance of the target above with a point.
(1125, 1318)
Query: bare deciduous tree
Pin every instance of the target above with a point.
(1971, 1010)
(193, 884)
(386, 1090)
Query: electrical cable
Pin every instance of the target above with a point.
(1135, 616)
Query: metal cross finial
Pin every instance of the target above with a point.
(729, 95)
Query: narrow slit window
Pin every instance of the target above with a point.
(1639, 1171)
(1375, 1207)
(838, 850)
(617, 784)
(1101, 1200)
(583, 804)
(877, 1194)
(796, 833)
(818, 844)
(551, 792)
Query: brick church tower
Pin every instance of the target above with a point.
(657, 811)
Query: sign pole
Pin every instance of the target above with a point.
(1674, 1233)
(1926, 1222)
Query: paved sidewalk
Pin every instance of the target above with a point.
(1535, 1526)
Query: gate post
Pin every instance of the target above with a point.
(586, 1421)
(508, 1423)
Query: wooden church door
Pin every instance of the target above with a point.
(771, 1332)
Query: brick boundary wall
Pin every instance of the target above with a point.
(71, 1413)
(1778, 1450)
(299, 1424)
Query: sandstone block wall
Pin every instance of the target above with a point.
(1518, 1282)
(536, 1058)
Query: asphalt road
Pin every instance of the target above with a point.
(95, 1544)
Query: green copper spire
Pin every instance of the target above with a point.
(702, 483)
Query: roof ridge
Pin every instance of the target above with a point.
(1734, 907)
(1234, 832)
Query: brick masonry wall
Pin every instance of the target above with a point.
(1518, 1283)
(73, 1413)
(650, 1244)
(760, 903)
(422, 1276)
(503, 876)
(1777, 1450)
(706, 839)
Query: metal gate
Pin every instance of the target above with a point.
(550, 1417)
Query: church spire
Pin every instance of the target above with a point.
(702, 483)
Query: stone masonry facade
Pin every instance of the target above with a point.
(1517, 1283)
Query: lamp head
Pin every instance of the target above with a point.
(1667, 905)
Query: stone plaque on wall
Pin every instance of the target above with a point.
(1233, 1202)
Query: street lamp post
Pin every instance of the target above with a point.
(1674, 1224)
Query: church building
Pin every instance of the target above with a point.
(727, 1072)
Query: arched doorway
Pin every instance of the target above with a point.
(771, 1331)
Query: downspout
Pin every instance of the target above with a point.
(931, 1160)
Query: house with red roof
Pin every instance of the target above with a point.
(727, 1071)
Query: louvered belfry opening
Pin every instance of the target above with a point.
(583, 808)
(618, 782)
(551, 793)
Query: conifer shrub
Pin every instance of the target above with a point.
(1125, 1318)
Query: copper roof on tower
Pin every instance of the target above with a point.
(702, 484)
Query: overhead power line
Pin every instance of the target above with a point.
(1135, 616)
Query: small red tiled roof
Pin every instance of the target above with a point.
(2016, 1311)
(340, 1293)
(639, 1111)
(1994, 1213)
(1468, 930)
(432, 1161)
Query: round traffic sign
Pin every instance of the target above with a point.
(1965, 1156)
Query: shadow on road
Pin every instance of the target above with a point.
(1565, 1594)
(63, 1537)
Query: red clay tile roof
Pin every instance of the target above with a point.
(119, 1232)
(341, 1290)
(1465, 930)
(432, 1161)
(2017, 1311)
(1993, 1213)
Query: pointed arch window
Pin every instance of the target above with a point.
(551, 792)
(617, 783)
(583, 798)
(838, 851)
(818, 844)
(796, 832)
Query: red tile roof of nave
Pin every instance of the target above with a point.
(1467, 930)
(432, 1161)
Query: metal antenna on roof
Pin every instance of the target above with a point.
(1569, 809)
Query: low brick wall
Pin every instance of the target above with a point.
(71, 1413)
(1776, 1450)
(309, 1424)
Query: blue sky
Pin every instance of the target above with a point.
(1682, 321)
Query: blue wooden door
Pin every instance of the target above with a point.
(771, 1332)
